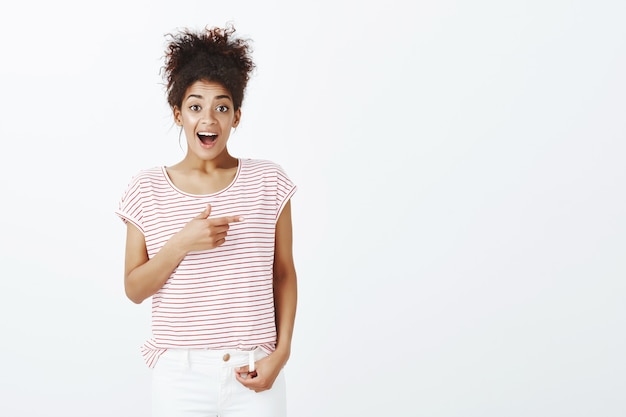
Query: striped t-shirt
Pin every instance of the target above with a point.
(220, 298)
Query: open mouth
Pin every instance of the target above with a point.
(207, 138)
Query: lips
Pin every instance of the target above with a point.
(207, 138)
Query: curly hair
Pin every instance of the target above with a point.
(213, 54)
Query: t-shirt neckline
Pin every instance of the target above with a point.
(223, 190)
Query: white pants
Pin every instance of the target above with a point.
(201, 383)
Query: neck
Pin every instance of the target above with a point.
(224, 161)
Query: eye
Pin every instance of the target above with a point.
(195, 107)
(222, 108)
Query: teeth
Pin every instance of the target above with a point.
(207, 134)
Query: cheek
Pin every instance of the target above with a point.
(189, 123)
(189, 131)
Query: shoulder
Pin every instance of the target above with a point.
(148, 175)
(261, 165)
(268, 172)
(143, 180)
(152, 172)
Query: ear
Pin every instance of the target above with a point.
(237, 117)
(177, 116)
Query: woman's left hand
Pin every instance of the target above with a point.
(267, 369)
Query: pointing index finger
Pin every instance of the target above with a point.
(227, 219)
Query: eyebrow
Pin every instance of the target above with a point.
(221, 96)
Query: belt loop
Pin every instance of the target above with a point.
(188, 358)
(251, 367)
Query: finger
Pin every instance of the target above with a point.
(256, 384)
(219, 231)
(216, 221)
(246, 370)
(205, 213)
(246, 380)
(242, 369)
(242, 376)
(242, 380)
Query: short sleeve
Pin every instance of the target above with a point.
(285, 189)
(130, 207)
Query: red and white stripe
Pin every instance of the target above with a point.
(220, 298)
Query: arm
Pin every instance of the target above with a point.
(285, 284)
(285, 300)
(143, 277)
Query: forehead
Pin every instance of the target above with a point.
(207, 90)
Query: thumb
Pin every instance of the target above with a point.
(206, 213)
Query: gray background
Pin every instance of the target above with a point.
(459, 226)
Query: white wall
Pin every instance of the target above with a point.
(459, 226)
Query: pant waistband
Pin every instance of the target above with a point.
(228, 357)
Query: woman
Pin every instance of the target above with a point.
(210, 240)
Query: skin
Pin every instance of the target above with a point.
(208, 167)
(285, 298)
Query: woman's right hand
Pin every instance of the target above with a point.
(144, 276)
(204, 233)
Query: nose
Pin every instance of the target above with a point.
(208, 116)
